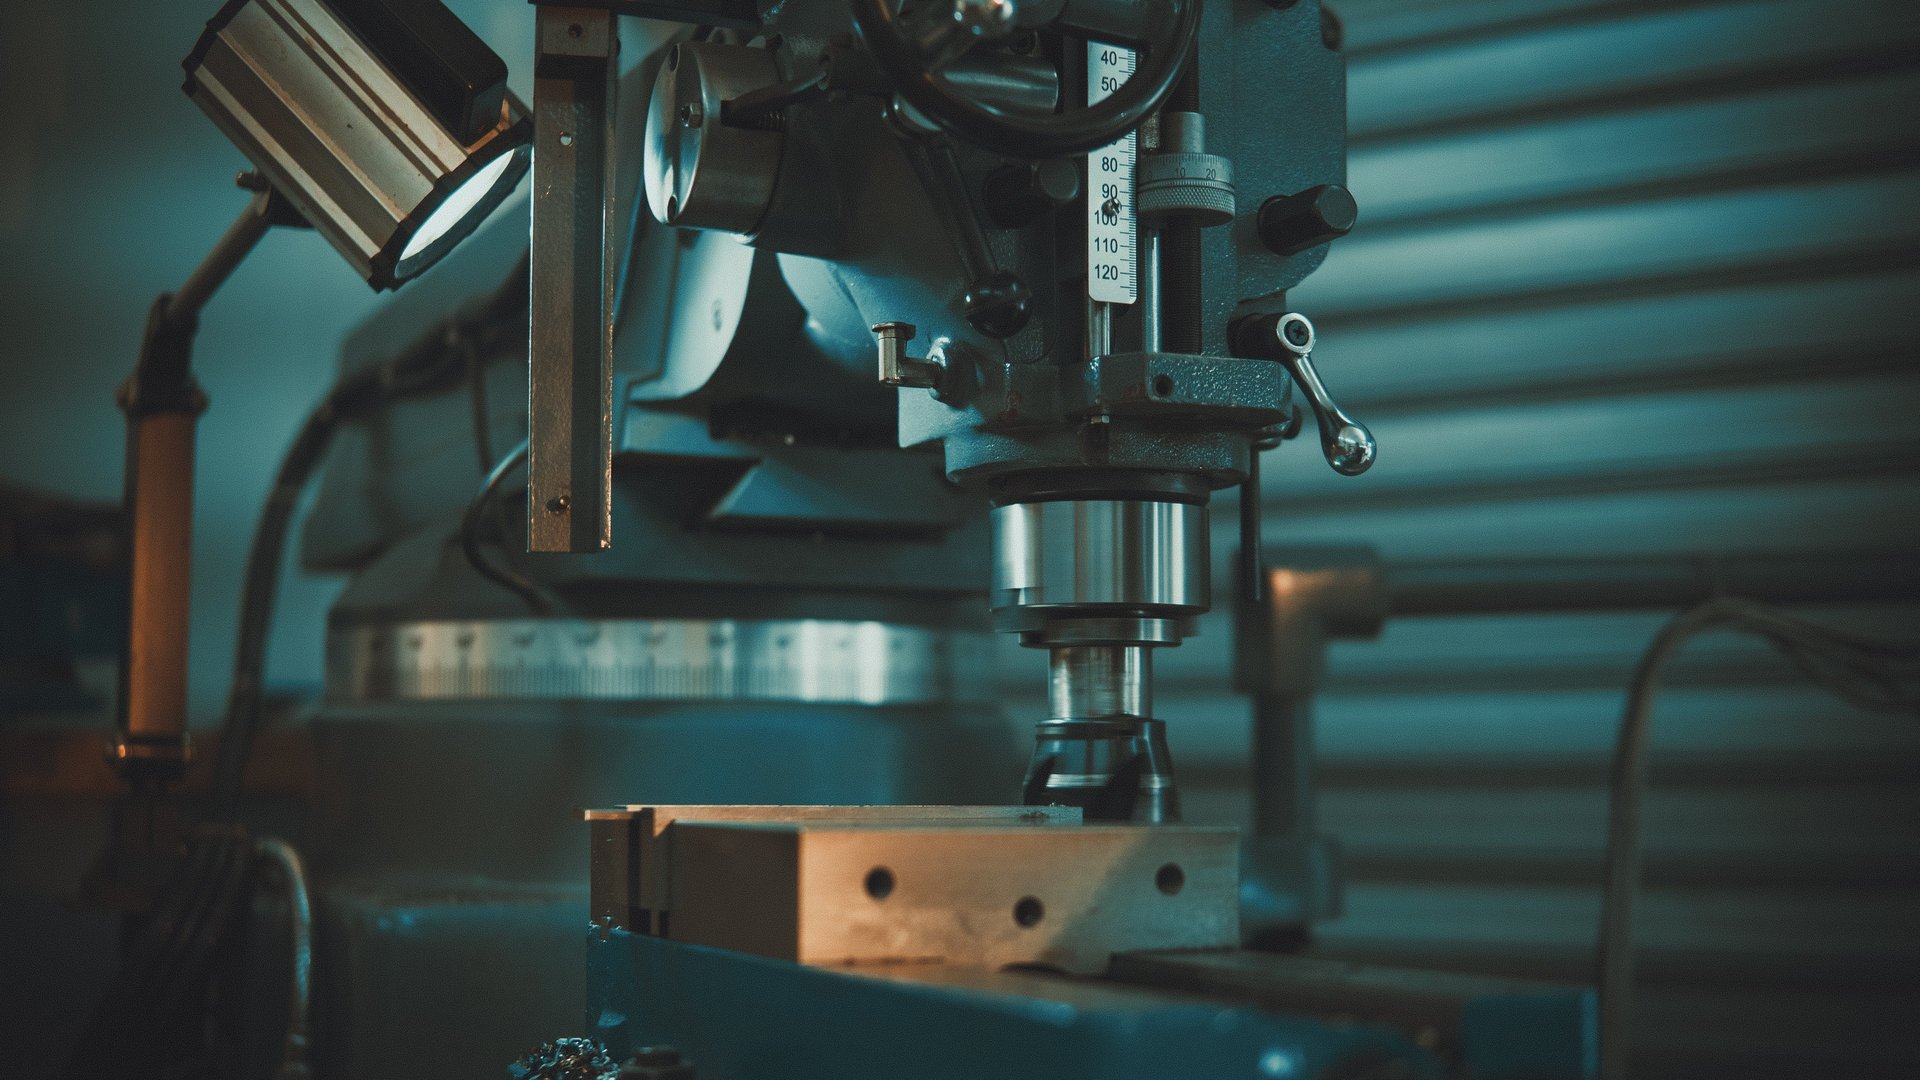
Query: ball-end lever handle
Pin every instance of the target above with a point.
(1346, 442)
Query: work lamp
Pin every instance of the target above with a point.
(386, 123)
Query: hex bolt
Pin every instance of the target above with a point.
(1290, 224)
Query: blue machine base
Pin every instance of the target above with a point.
(741, 1017)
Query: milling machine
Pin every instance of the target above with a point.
(851, 334)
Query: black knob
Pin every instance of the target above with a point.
(999, 304)
(1290, 224)
(1018, 194)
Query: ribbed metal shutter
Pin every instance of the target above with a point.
(1630, 279)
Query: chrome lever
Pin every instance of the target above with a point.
(1346, 442)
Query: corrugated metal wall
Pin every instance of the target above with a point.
(1631, 278)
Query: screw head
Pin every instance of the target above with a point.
(559, 504)
(1295, 333)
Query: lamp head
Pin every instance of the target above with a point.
(386, 123)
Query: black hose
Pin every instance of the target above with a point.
(1017, 134)
(262, 577)
(507, 577)
(1873, 674)
(294, 1051)
(428, 364)
(151, 1019)
(482, 429)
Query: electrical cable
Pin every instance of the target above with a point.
(151, 1017)
(294, 1060)
(507, 577)
(427, 365)
(1019, 134)
(509, 299)
(1860, 670)
(482, 433)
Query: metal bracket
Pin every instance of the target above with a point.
(1309, 597)
(570, 373)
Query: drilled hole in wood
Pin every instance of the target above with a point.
(1028, 911)
(1170, 879)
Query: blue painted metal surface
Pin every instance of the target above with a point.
(740, 1017)
(1486, 1028)
(1530, 1036)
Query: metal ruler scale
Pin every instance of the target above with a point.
(1112, 223)
(805, 660)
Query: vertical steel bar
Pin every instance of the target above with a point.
(1099, 328)
(1283, 800)
(1180, 273)
(1150, 291)
(1253, 575)
(572, 274)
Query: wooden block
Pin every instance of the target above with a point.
(1068, 897)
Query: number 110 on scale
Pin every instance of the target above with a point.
(1110, 212)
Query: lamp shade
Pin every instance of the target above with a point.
(385, 123)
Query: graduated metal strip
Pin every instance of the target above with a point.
(798, 660)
